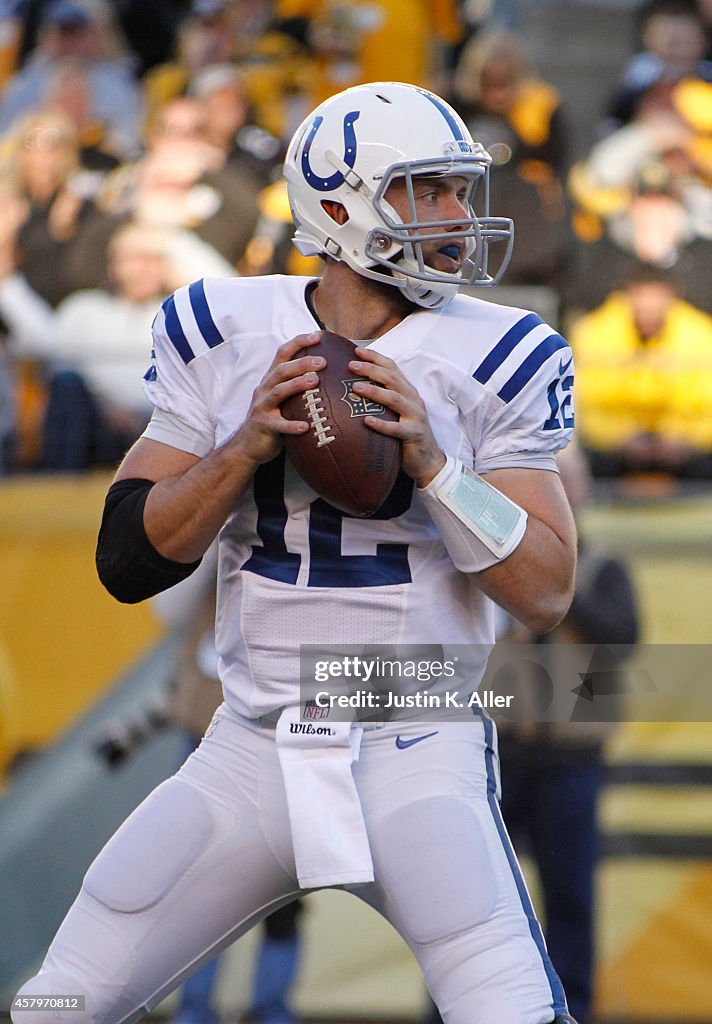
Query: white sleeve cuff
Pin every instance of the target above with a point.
(444, 477)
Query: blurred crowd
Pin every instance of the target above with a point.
(141, 146)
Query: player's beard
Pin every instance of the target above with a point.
(394, 295)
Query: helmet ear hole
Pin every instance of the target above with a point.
(337, 211)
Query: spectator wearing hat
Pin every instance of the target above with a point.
(654, 229)
(248, 148)
(674, 41)
(672, 126)
(71, 29)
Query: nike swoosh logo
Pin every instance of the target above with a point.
(404, 744)
(563, 367)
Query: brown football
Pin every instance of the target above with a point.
(347, 464)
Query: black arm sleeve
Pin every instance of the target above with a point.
(128, 564)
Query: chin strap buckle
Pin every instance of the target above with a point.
(350, 176)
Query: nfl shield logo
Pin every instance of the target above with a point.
(359, 405)
(313, 711)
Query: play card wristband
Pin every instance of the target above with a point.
(478, 524)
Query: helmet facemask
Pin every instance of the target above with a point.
(397, 245)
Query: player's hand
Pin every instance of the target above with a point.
(422, 457)
(260, 436)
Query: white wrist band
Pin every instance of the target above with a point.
(478, 524)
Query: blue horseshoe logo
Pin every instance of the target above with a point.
(337, 178)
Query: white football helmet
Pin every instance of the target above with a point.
(350, 149)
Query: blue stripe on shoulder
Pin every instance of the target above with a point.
(203, 316)
(494, 359)
(175, 331)
(529, 367)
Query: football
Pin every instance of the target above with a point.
(347, 464)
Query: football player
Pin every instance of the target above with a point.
(382, 182)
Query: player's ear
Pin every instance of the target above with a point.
(337, 211)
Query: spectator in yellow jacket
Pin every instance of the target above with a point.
(644, 380)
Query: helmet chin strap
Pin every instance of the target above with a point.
(428, 294)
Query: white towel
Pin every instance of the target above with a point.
(328, 831)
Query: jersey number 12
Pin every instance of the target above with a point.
(328, 567)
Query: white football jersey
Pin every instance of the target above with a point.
(293, 570)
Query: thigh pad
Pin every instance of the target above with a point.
(154, 848)
(436, 866)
